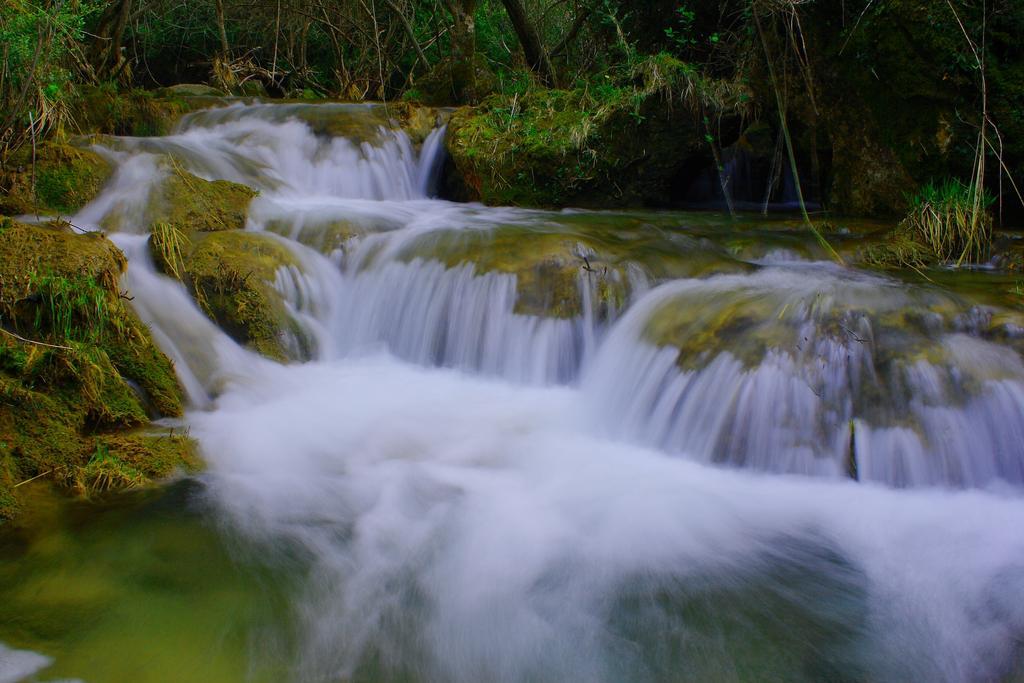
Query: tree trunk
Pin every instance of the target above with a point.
(536, 56)
(463, 37)
(222, 30)
(410, 31)
(106, 53)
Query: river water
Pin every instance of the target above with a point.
(537, 446)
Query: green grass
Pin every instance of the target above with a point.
(170, 244)
(952, 220)
(72, 308)
(104, 473)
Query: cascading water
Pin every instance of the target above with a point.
(472, 491)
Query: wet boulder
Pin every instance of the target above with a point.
(55, 179)
(232, 276)
(188, 203)
(106, 110)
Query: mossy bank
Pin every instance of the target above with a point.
(80, 376)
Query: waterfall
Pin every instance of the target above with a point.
(480, 491)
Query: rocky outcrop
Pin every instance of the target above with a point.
(639, 143)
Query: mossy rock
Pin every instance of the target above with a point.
(62, 180)
(105, 110)
(745, 326)
(9, 506)
(896, 250)
(616, 145)
(549, 267)
(190, 90)
(417, 121)
(135, 459)
(29, 253)
(76, 364)
(232, 274)
(62, 288)
(188, 203)
(867, 177)
(325, 237)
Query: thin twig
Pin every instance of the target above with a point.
(37, 343)
(32, 479)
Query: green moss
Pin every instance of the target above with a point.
(746, 326)
(898, 249)
(189, 203)
(62, 180)
(601, 145)
(152, 372)
(133, 460)
(198, 238)
(548, 266)
(231, 275)
(91, 369)
(9, 507)
(33, 256)
(103, 109)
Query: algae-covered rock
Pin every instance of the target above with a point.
(634, 144)
(191, 90)
(188, 203)
(746, 326)
(76, 364)
(197, 238)
(103, 109)
(897, 249)
(55, 179)
(417, 121)
(134, 459)
(548, 266)
(232, 274)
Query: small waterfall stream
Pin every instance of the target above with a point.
(653, 484)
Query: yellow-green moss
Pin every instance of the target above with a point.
(231, 274)
(745, 326)
(189, 203)
(898, 249)
(133, 460)
(621, 143)
(75, 362)
(61, 179)
(102, 109)
(547, 266)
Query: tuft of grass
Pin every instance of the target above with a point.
(952, 220)
(104, 472)
(170, 245)
(73, 308)
(899, 250)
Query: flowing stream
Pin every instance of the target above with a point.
(538, 446)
